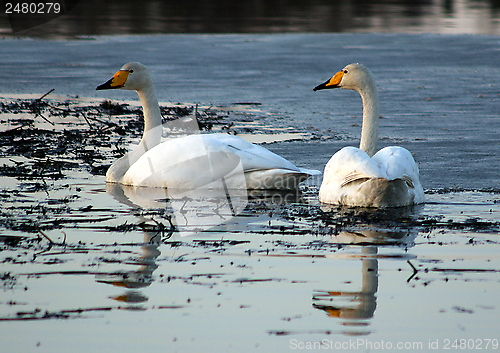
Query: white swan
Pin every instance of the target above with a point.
(359, 176)
(196, 160)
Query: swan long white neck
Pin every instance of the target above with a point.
(150, 137)
(369, 130)
(152, 117)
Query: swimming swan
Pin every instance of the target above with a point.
(359, 176)
(195, 160)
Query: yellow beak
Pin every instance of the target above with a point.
(117, 81)
(331, 83)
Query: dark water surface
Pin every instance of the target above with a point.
(94, 17)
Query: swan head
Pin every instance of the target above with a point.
(354, 76)
(132, 76)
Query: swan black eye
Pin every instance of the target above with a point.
(345, 71)
(130, 71)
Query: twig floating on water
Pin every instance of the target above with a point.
(46, 94)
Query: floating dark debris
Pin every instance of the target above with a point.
(66, 314)
(84, 136)
(52, 141)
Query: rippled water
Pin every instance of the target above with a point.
(119, 270)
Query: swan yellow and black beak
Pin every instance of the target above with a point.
(334, 82)
(117, 81)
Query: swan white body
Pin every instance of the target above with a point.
(359, 176)
(194, 161)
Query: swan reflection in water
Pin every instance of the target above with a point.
(187, 213)
(139, 278)
(356, 308)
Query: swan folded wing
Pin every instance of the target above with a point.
(255, 157)
(274, 179)
(391, 163)
(190, 162)
(194, 173)
(264, 169)
(350, 164)
(198, 160)
(397, 163)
